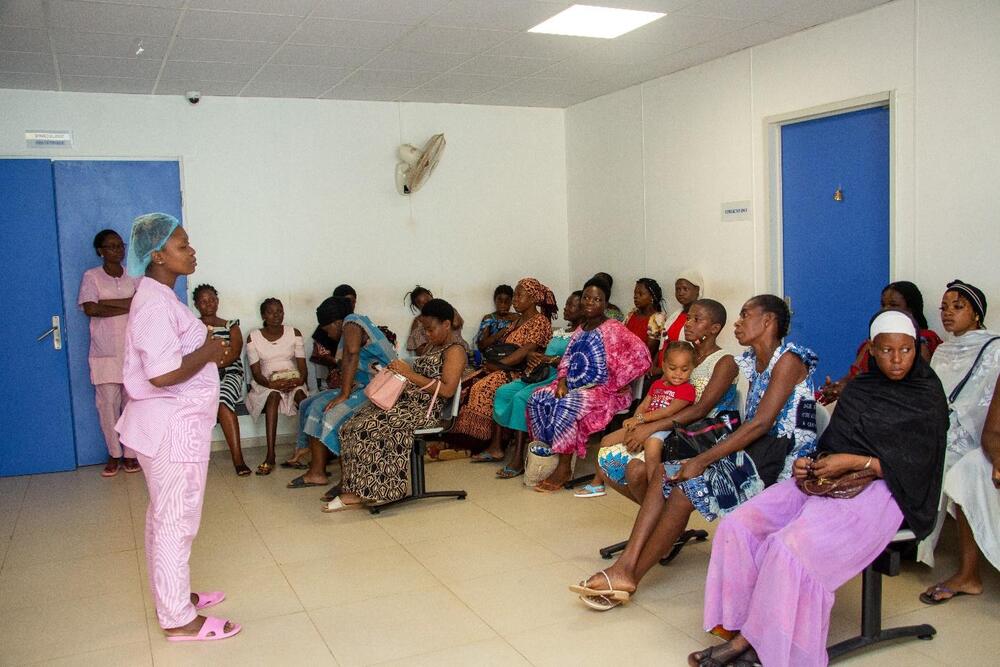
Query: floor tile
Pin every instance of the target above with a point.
(69, 543)
(296, 543)
(126, 655)
(398, 626)
(46, 583)
(489, 653)
(436, 519)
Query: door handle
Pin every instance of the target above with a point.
(55, 332)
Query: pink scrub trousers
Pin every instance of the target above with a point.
(111, 399)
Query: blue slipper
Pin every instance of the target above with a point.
(591, 491)
(486, 458)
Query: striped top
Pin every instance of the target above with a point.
(161, 330)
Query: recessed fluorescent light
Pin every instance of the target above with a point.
(590, 21)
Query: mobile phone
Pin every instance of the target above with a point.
(671, 469)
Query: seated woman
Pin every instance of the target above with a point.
(530, 332)
(417, 343)
(901, 295)
(592, 385)
(780, 426)
(493, 324)
(971, 358)
(278, 373)
(778, 560)
(324, 352)
(360, 345)
(231, 377)
(688, 288)
(510, 404)
(376, 443)
(612, 311)
(647, 320)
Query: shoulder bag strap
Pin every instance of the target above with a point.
(953, 396)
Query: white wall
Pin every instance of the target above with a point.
(702, 142)
(288, 198)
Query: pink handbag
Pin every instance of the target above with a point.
(385, 388)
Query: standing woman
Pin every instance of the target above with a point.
(278, 368)
(171, 375)
(105, 297)
(231, 377)
(971, 358)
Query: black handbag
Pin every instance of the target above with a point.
(497, 353)
(539, 373)
(688, 441)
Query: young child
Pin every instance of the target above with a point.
(667, 396)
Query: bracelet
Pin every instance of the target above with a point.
(867, 463)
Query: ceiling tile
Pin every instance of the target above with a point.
(676, 32)
(26, 63)
(758, 33)
(435, 39)
(419, 62)
(648, 5)
(436, 96)
(410, 12)
(575, 70)
(24, 39)
(360, 34)
(238, 72)
(28, 81)
(120, 19)
(507, 97)
(807, 13)
(169, 4)
(231, 25)
(322, 56)
(626, 50)
(516, 15)
(739, 9)
(206, 88)
(283, 89)
(503, 66)
(534, 45)
(107, 84)
(24, 13)
(132, 68)
(109, 46)
(287, 7)
(388, 79)
(221, 50)
(346, 91)
(321, 76)
(469, 83)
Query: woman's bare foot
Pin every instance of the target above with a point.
(194, 627)
(110, 468)
(721, 654)
(557, 478)
(957, 584)
(620, 581)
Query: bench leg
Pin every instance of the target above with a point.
(418, 485)
(688, 535)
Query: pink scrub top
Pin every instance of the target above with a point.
(161, 331)
(107, 334)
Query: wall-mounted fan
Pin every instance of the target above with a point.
(416, 165)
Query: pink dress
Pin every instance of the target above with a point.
(107, 334)
(274, 356)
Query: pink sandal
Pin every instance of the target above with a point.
(206, 600)
(211, 630)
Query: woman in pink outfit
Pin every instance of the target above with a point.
(778, 559)
(105, 296)
(171, 377)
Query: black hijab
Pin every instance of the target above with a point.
(902, 423)
(332, 309)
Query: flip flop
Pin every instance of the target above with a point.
(297, 465)
(452, 454)
(486, 458)
(212, 630)
(242, 470)
(338, 505)
(546, 486)
(301, 483)
(591, 491)
(109, 472)
(265, 468)
(927, 597)
(508, 473)
(131, 465)
(600, 602)
(206, 600)
(585, 591)
(331, 493)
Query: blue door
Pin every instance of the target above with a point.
(835, 252)
(36, 419)
(91, 196)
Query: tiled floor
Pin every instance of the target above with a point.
(481, 581)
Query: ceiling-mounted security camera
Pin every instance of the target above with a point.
(193, 96)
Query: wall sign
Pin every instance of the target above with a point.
(48, 138)
(733, 211)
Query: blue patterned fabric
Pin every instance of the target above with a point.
(588, 360)
(723, 487)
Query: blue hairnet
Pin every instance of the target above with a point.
(149, 234)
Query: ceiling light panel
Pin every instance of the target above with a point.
(590, 21)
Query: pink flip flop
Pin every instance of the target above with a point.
(212, 630)
(206, 600)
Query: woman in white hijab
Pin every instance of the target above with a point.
(968, 365)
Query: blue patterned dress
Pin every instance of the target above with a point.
(734, 479)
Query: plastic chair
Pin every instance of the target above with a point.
(418, 484)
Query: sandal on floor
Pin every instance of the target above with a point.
(331, 493)
(600, 602)
(206, 600)
(211, 630)
(338, 505)
(483, 457)
(718, 656)
(591, 491)
(131, 465)
(583, 590)
(545, 486)
(109, 469)
(296, 465)
(748, 658)
(508, 473)
(265, 468)
(242, 470)
(301, 483)
(930, 597)
(452, 454)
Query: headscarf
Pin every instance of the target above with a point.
(973, 295)
(332, 309)
(693, 276)
(149, 234)
(541, 295)
(904, 425)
